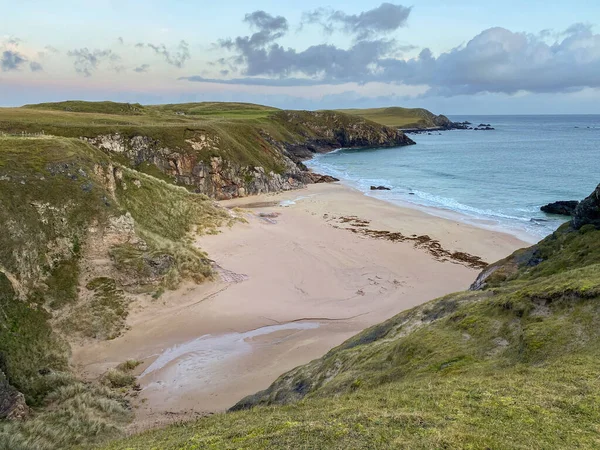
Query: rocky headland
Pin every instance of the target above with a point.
(562, 207)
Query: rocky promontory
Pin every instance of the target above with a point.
(563, 208)
(588, 211)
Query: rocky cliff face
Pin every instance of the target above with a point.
(325, 131)
(199, 167)
(586, 217)
(214, 176)
(588, 211)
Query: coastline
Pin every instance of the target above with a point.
(292, 283)
(436, 211)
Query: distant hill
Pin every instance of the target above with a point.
(91, 107)
(400, 117)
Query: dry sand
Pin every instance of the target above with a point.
(290, 288)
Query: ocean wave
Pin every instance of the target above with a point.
(527, 219)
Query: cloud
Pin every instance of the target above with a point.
(266, 22)
(270, 28)
(11, 60)
(141, 69)
(35, 66)
(501, 61)
(176, 57)
(495, 61)
(258, 81)
(260, 55)
(87, 61)
(384, 19)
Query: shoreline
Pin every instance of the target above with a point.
(437, 211)
(292, 283)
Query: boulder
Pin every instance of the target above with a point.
(563, 207)
(12, 402)
(588, 211)
(380, 188)
(318, 178)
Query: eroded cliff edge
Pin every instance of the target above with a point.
(222, 150)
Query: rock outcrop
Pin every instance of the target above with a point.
(325, 131)
(588, 211)
(563, 208)
(203, 164)
(214, 176)
(12, 402)
(380, 188)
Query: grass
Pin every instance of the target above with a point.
(396, 116)
(48, 198)
(102, 316)
(236, 126)
(76, 414)
(511, 366)
(244, 135)
(117, 379)
(53, 192)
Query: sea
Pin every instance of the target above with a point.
(496, 179)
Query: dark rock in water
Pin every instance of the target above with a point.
(12, 402)
(380, 188)
(588, 211)
(563, 208)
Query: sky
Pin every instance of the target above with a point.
(463, 57)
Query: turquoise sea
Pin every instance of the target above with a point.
(497, 178)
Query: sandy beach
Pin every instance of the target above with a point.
(309, 269)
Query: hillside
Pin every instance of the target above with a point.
(99, 203)
(510, 364)
(80, 237)
(223, 150)
(401, 117)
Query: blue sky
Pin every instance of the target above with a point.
(466, 57)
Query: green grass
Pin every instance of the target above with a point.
(91, 107)
(48, 196)
(53, 192)
(396, 116)
(76, 414)
(102, 316)
(242, 134)
(512, 366)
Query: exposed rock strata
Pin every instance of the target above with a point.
(222, 178)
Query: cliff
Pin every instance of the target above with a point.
(99, 202)
(222, 150)
(512, 364)
(81, 235)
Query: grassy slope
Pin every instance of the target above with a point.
(51, 193)
(512, 366)
(396, 116)
(239, 128)
(237, 125)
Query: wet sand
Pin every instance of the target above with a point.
(292, 283)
